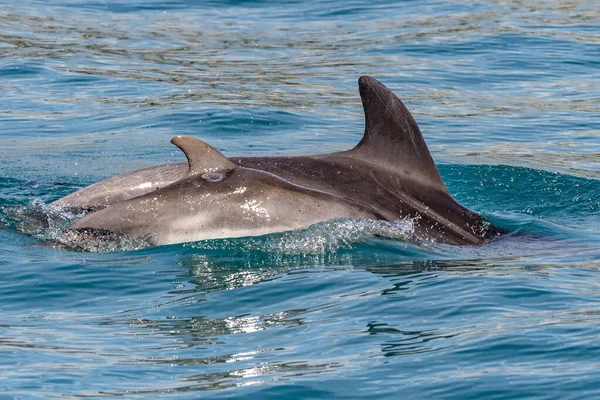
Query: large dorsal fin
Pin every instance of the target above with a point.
(392, 136)
(202, 157)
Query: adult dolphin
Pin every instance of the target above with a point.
(389, 175)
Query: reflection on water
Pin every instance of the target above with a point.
(202, 331)
(409, 342)
(214, 332)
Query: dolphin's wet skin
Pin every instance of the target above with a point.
(390, 175)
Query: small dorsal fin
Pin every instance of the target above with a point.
(392, 136)
(202, 157)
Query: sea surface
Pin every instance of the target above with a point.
(507, 94)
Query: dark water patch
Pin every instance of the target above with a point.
(514, 190)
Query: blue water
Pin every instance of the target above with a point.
(507, 95)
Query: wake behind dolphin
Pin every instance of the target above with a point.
(390, 175)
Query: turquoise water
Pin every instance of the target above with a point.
(506, 94)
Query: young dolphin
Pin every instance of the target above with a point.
(218, 199)
(389, 175)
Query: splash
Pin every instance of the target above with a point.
(99, 241)
(323, 243)
(320, 238)
(38, 219)
(50, 224)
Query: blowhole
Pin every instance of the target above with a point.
(213, 176)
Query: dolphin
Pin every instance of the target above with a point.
(219, 199)
(389, 175)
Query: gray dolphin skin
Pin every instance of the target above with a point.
(389, 175)
(218, 199)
